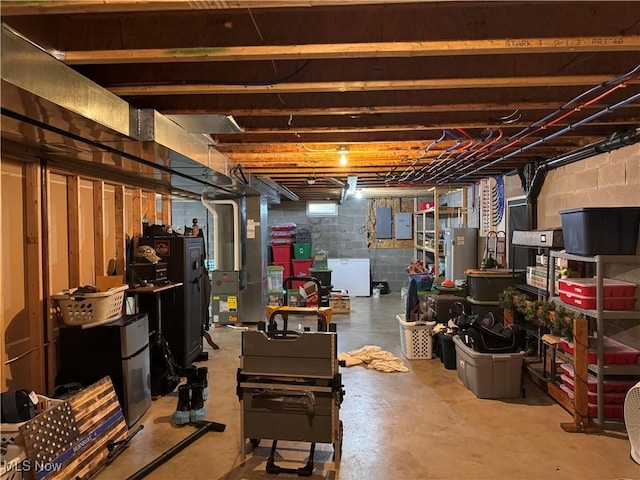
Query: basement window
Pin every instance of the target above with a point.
(322, 209)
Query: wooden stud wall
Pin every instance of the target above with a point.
(98, 227)
(39, 349)
(34, 293)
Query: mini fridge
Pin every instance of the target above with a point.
(119, 350)
(460, 252)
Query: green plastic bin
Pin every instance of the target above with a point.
(302, 251)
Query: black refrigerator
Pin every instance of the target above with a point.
(183, 314)
(120, 350)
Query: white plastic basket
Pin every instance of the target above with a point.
(84, 308)
(416, 338)
(13, 443)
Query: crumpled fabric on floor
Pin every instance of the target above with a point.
(373, 357)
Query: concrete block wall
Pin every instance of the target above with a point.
(345, 236)
(606, 180)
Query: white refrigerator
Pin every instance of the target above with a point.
(460, 252)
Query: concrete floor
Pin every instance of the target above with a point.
(416, 425)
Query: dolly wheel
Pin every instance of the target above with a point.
(254, 441)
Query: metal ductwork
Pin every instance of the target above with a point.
(50, 110)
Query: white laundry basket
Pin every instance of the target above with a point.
(416, 338)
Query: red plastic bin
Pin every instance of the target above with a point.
(610, 386)
(286, 272)
(610, 410)
(281, 252)
(301, 267)
(616, 398)
(588, 288)
(590, 303)
(615, 353)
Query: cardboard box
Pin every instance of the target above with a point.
(339, 302)
(537, 277)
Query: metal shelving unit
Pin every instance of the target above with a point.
(430, 223)
(600, 315)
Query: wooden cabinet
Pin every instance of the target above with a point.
(441, 208)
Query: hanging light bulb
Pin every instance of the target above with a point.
(343, 155)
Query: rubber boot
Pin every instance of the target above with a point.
(182, 414)
(202, 377)
(198, 411)
(191, 372)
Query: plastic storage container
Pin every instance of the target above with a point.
(424, 280)
(85, 308)
(320, 260)
(609, 397)
(323, 276)
(447, 351)
(302, 250)
(588, 287)
(444, 306)
(590, 303)
(482, 309)
(489, 375)
(615, 353)
(609, 386)
(275, 276)
(286, 268)
(301, 268)
(487, 285)
(611, 410)
(416, 338)
(601, 231)
(281, 252)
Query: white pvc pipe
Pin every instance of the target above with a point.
(236, 231)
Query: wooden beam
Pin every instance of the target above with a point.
(383, 109)
(116, 6)
(136, 214)
(98, 228)
(419, 127)
(362, 86)
(166, 209)
(120, 232)
(502, 46)
(73, 215)
(34, 272)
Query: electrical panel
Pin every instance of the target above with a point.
(383, 222)
(403, 226)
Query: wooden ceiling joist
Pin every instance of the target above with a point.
(515, 46)
(364, 85)
(385, 109)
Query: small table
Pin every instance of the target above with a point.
(158, 290)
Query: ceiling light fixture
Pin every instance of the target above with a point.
(343, 151)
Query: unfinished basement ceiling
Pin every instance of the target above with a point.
(418, 93)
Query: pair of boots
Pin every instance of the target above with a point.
(191, 397)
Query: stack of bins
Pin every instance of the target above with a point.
(282, 238)
(275, 284)
(301, 261)
(322, 272)
(485, 287)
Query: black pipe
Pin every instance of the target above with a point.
(623, 140)
(204, 427)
